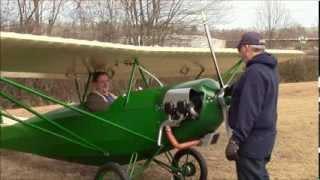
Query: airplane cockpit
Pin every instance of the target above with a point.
(138, 77)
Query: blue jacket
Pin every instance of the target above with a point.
(253, 108)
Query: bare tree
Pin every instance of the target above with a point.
(81, 19)
(106, 16)
(271, 16)
(31, 14)
(54, 8)
(28, 16)
(139, 22)
(148, 22)
(7, 14)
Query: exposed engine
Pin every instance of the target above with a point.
(182, 104)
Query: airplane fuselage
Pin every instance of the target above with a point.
(139, 121)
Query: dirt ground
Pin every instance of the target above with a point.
(295, 154)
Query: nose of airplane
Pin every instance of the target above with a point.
(211, 114)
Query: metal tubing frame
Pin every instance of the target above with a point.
(169, 156)
(162, 164)
(130, 84)
(1, 118)
(151, 75)
(84, 94)
(132, 164)
(142, 70)
(171, 169)
(78, 110)
(86, 88)
(47, 131)
(76, 82)
(28, 108)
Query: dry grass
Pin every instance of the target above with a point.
(295, 154)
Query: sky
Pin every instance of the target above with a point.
(303, 12)
(242, 15)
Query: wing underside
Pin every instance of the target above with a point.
(24, 55)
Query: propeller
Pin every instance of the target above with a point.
(222, 85)
(213, 54)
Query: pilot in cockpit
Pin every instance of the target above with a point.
(100, 97)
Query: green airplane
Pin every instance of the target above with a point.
(139, 124)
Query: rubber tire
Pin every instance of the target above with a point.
(112, 167)
(200, 160)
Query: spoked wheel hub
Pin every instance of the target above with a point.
(188, 169)
(189, 164)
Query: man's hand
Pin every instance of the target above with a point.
(232, 150)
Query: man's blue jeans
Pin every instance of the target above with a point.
(252, 169)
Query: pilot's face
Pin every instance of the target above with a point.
(102, 84)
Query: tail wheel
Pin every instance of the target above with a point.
(190, 164)
(111, 171)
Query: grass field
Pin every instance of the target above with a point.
(295, 154)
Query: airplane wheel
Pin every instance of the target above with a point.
(190, 164)
(111, 171)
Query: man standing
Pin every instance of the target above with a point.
(253, 110)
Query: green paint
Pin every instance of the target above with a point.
(232, 72)
(117, 130)
(74, 134)
(52, 122)
(72, 108)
